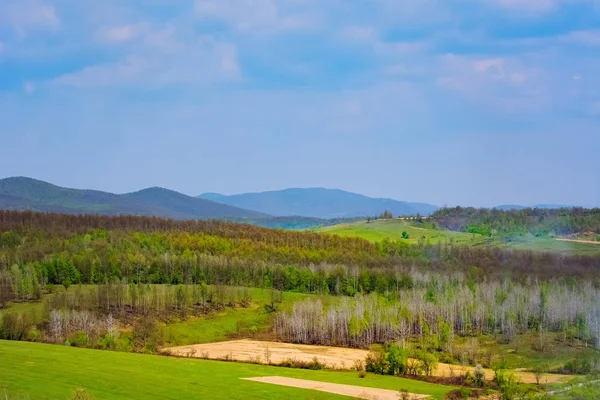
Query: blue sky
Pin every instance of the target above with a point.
(479, 102)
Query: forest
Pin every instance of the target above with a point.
(135, 271)
(538, 221)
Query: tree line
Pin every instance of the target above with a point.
(535, 221)
(38, 249)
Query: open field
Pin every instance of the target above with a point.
(333, 357)
(43, 371)
(392, 229)
(336, 388)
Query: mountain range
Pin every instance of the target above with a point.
(21, 193)
(319, 203)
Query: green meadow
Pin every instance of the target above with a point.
(41, 371)
(393, 229)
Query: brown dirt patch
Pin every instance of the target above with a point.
(252, 350)
(360, 392)
(332, 357)
(579, 241)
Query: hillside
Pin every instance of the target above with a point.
(427, 232)
(22, 193)
(319, 203)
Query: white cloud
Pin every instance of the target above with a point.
(28, 88)
(123, 33)
(25, 15)
(257, 15)
(204, 62)
(587, 37)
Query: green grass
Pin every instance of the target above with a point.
(521, 353)
(233, 323)
(375, 231)
(52, 372)
(392, 229)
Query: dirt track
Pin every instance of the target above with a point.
(333, 357)
(578, 241)
(360, 392)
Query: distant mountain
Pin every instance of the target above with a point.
(30, 194)
(319, 203)
(507, 207)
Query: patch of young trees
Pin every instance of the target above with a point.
(440, 307)
(92, 316)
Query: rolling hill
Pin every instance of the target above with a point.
(22, 193)
(319, 203)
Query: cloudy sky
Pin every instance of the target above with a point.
(479, 102)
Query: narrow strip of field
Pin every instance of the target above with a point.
(578, 241)
(333, 357)
(359, 392)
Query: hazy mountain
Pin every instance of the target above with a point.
(30, 194)
(319, 203)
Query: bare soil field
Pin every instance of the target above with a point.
(579, 241)
(333, 357)
(359, 392)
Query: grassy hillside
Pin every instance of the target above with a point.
(375, 231)
(319, 203)
(42, 371)
(392, 229)
(30, 194)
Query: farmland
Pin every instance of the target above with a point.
(114, 375)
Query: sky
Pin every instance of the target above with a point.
(470, 102)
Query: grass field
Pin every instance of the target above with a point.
(232, 323)
(378, 230)
(42, 371)
(392, 229)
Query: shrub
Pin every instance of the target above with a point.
(429, 362)
(359, 365)
(13, 326)
(34, 335)
(362, 374)
(396, 360)
(79, 339)
(403, 394)
(479, 376)
(376, 362)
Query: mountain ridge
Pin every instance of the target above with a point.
(23, 193)
(319, 203)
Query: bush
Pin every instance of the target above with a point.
(397, 360)
(376, 362)
(13, 326)
(362, 374)
(79, 339)
(479, 376)
(34, 335)
(429, 362)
